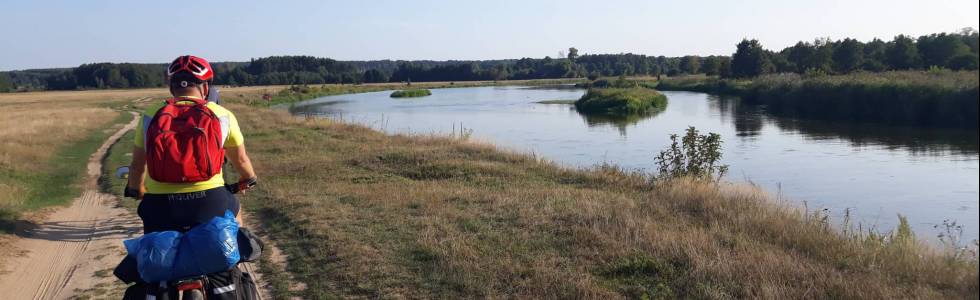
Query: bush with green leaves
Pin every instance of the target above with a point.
(411, 93)
(696, 156)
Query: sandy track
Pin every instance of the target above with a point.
(73, 247)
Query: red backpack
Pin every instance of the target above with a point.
(183, 143)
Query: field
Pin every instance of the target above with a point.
(48, 137)
(362, 214)
(365, 215)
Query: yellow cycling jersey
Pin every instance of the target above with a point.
(229, 130)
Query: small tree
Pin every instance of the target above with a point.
(848, 56)
(750, 60)
(696, 156)
(901, 53)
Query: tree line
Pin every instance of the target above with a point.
(956, 51)
(945, 50)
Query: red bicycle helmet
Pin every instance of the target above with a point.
(193, 65)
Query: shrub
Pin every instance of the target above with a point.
(697, 156)
(411, 93)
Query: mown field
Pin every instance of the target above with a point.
(361, 214)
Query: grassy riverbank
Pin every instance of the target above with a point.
(923, 98)
(291, 94)
(363, 214)
(411, 93)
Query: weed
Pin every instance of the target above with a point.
(697, 156)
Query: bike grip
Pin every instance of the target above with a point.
(131, 193)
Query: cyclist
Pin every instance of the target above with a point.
(181, 205)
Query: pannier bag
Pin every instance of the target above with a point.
(206, 248)
(230, 284)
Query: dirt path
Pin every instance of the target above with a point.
(70, 251)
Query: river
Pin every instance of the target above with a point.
(872, 173)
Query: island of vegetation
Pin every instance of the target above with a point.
(411, 93)
(616, 100)
(557, 101)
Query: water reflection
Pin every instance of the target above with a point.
(618, 121)
(749, 120)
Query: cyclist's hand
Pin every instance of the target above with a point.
(242, 185)
(245, 184)
(134, 193)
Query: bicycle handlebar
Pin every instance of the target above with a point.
(234, 188)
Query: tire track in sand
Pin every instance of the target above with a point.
(65, 251)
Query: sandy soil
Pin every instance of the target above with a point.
(69, 252)
(62, 254)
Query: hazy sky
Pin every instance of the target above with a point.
(39, 33)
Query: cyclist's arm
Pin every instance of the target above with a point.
(235, 151)
(239, 159)
(136, 169)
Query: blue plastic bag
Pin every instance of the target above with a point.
(208, 248)
(168, 255)
(155, 254)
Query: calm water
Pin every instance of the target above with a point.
(875, 172)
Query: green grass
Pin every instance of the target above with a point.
(118, 155)
(59, 183)
(565, 102)
(921, 98)
(621, 101)
(411, 93)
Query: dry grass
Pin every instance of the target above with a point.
(364, 215)
(45, 132)
(361, 215)
(34, 127)
(31, 133)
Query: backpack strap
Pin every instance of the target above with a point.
(198, 101)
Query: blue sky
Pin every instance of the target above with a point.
(41, 33)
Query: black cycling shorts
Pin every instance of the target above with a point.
(180, 212)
